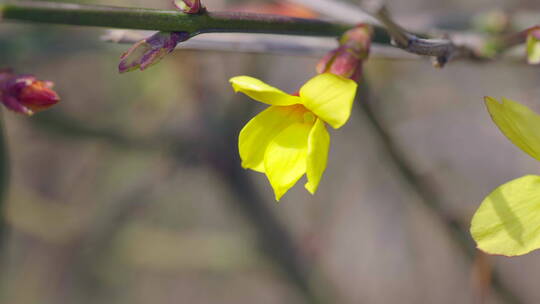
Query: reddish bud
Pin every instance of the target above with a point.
(326, 61)
(150, 51)
(347, 59)
(189, 6)
(25, 94)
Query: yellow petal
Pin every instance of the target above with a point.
(518, 123)
(262, 92)
(330, 97)
(261, 129)
(318, 144)
(508, 220)
(285, 158)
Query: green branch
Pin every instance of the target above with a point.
(170, 20)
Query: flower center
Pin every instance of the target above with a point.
(309, 117)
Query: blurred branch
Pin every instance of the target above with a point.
(221, 156)
(276, 242)
(274, 238)
(338, 10)
(511, 40)
(219, 145)
(62, 125)
(428, 196)
(252, 43)
(481, 277)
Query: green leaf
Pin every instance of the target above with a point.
(508, 220)
(518, 123)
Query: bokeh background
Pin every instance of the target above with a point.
(130, 190)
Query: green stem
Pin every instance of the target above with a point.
(169, 20)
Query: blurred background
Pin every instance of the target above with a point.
(131, 191)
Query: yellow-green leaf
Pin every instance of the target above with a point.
(317, 157)
(518, 123)
(262, 92)
(508, 220)
(330, 97)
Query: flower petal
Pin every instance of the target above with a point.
(330, 97)
(262, 92)
(508, 220)
(318, 145)
(518, 123)
(261, 129)
(286, 156)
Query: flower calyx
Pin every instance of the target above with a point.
(348, 58)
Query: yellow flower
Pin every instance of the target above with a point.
(508, 220)
(289, 139)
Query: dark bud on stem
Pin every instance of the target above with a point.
(150, 51)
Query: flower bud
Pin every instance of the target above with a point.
(347, 59)
(150, 51)
(25, 94)
(189, 6)
(533, 45)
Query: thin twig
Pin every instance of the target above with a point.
(443, 50)
(253, 43)
(220, 155)
(511, 40)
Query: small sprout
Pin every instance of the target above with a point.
(25, 94)
(189, 6)
(150, 51)
(533, 45)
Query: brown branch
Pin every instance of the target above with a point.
(443, 50)
(515, 39)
